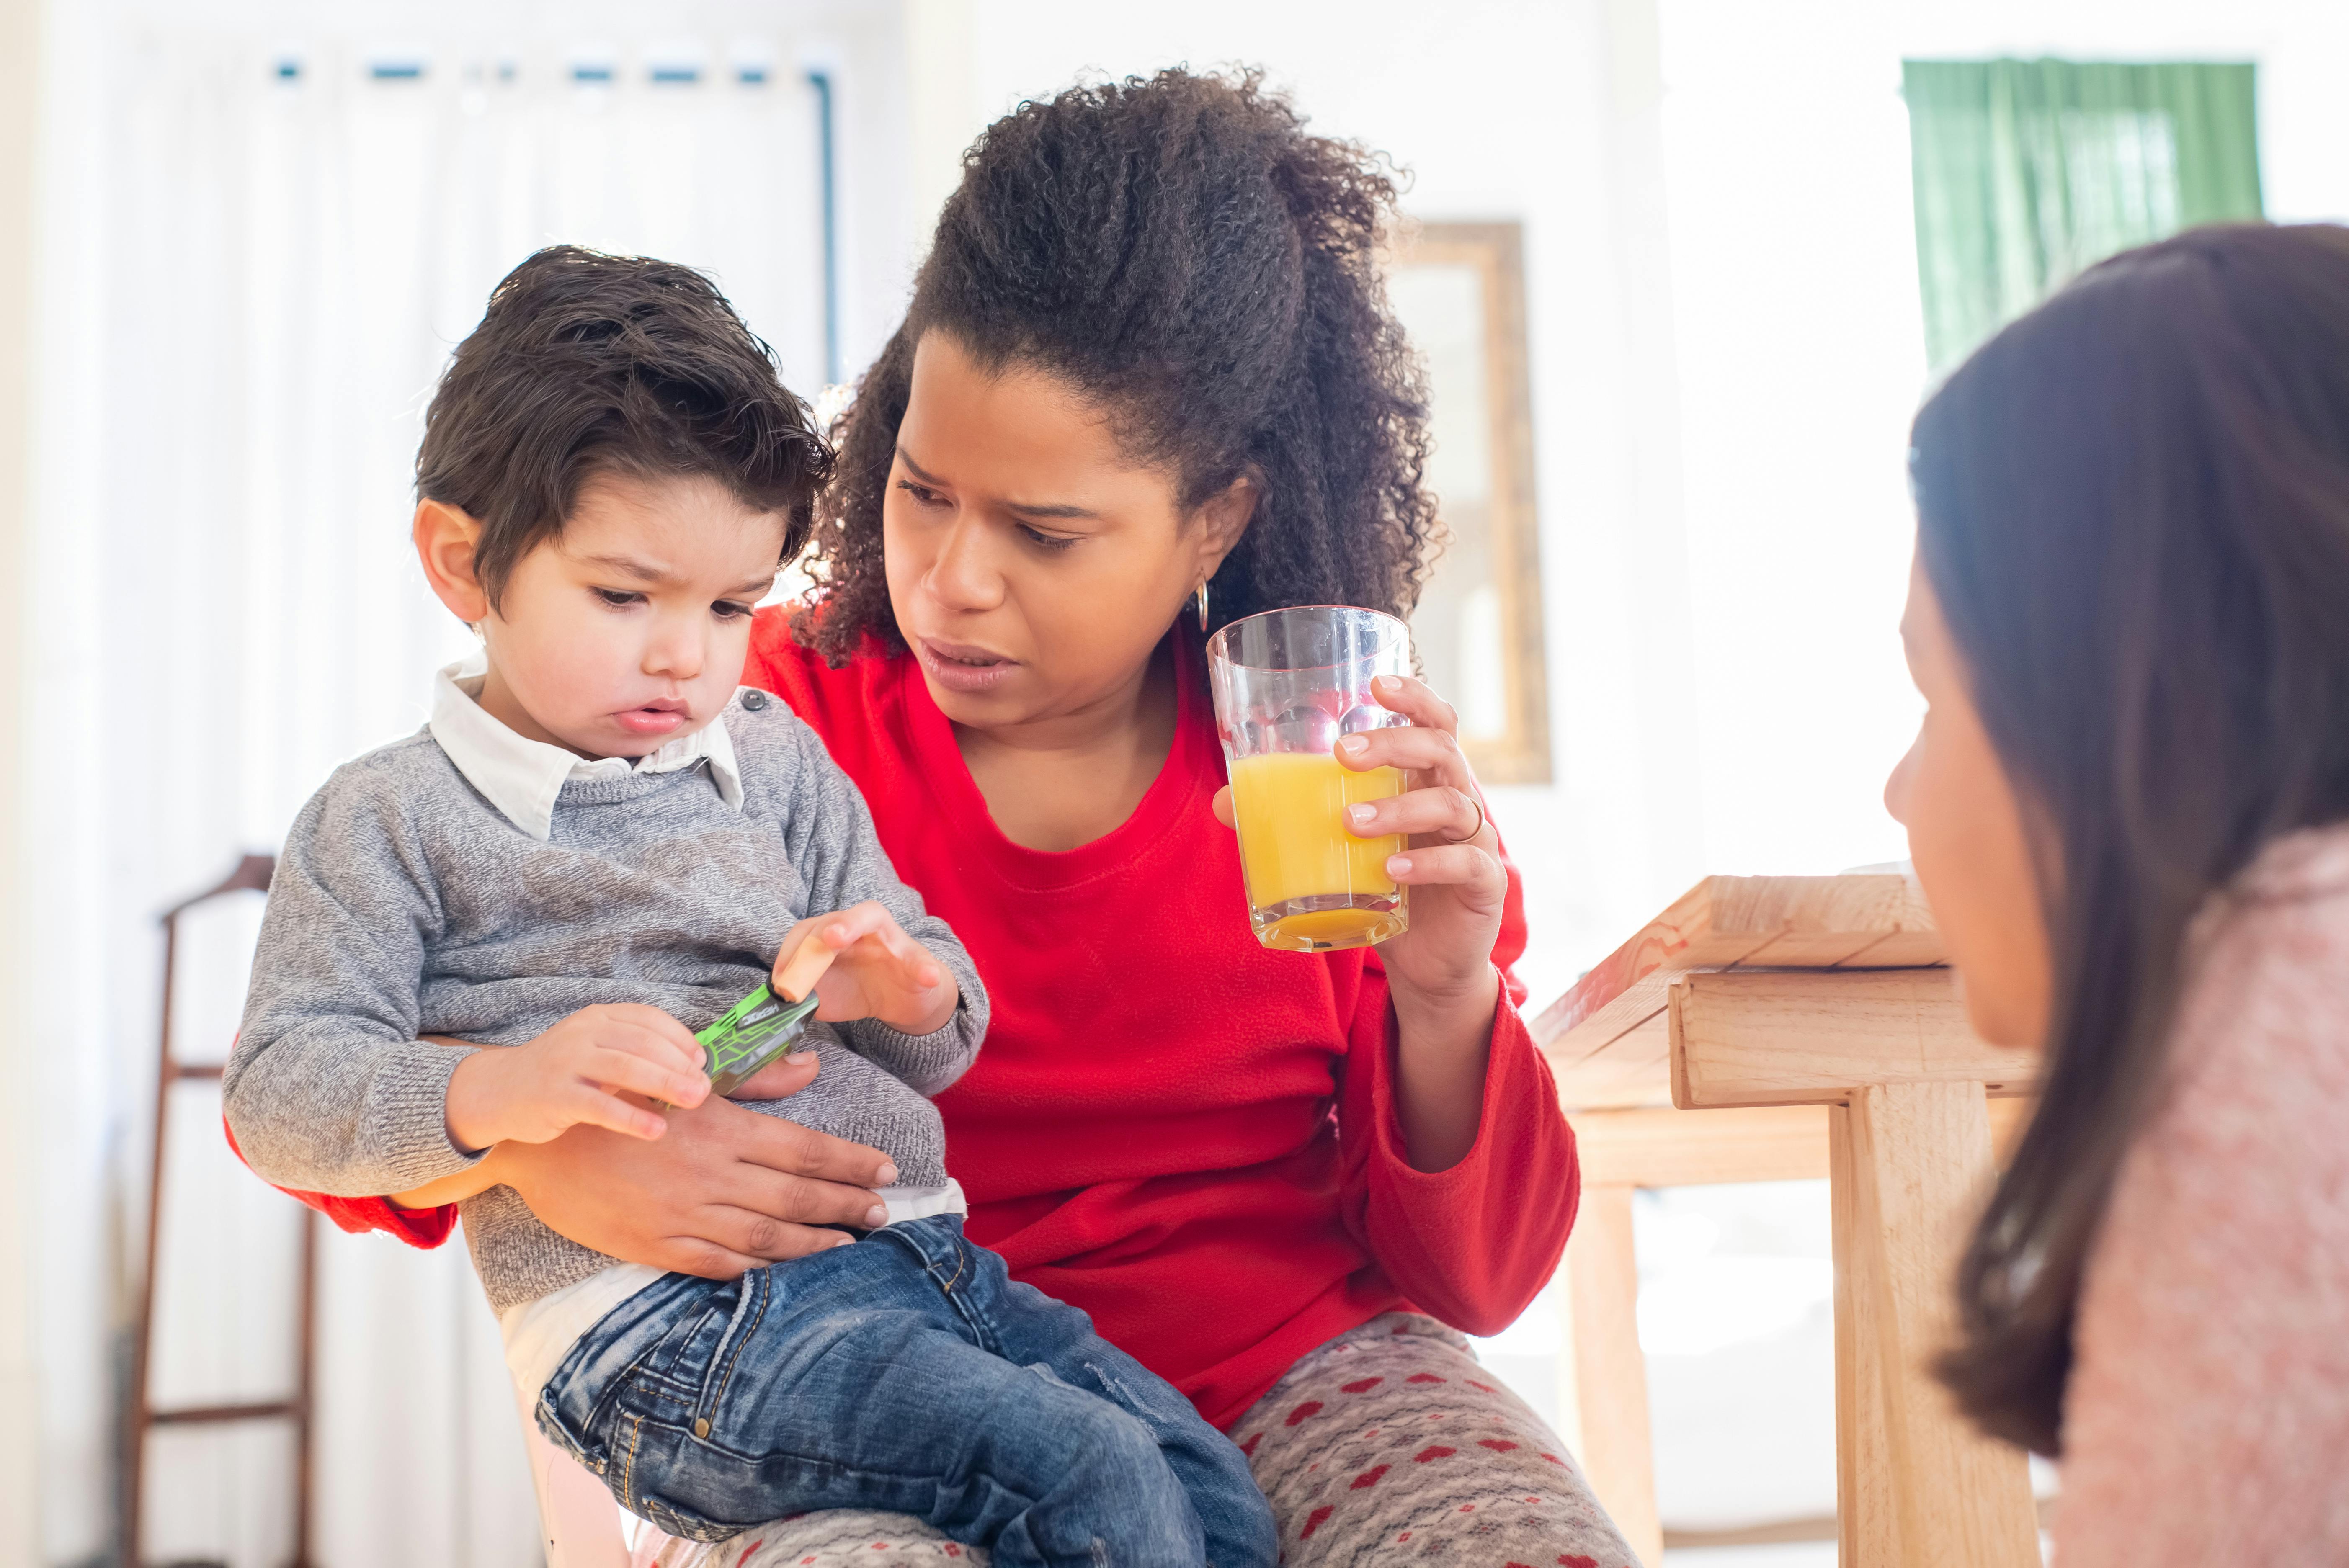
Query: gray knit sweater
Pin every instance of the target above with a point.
(406, 904)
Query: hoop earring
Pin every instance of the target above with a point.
(1202, 599)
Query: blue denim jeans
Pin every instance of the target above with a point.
(907, 1372)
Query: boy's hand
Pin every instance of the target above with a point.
(576, 1072)
(876, 971)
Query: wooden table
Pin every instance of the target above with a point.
(1814, 1023)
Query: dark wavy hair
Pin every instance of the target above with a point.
(2134, 508)
(1183, 252)
(588, 364)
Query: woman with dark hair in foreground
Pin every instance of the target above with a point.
(1149, 384)
(2129, 805)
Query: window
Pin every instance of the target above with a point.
(2029, 171)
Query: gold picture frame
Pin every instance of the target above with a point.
(1459, 290)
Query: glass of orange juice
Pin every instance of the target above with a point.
(1288, 684)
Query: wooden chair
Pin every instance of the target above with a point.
(1814, 1023)
(141, 1416)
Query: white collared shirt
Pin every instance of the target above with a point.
(522, 777)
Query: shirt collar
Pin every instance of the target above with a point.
(522, 777)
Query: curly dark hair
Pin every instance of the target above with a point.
(588, 364)
(1183, 252)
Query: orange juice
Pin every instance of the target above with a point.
(1311, 884)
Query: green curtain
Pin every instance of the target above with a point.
(2028, 170)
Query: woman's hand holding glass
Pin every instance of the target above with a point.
(1451, 858)
(1451, 855)
(1439, 973)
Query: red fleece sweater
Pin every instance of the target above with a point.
(1189, 1136)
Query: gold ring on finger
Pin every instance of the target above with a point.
(1480, 820)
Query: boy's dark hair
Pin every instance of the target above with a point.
(1185, 253)
(586, 364)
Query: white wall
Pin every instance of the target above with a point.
(1802, 355)
(20, 49)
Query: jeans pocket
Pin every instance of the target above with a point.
(634, 1354)
(650, 1459)
(749, 1306)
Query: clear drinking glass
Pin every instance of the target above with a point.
(1287, 684)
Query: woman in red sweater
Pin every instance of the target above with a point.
(1149, 384)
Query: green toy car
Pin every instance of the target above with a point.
(754, 1032)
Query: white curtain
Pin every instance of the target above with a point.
(275, 241)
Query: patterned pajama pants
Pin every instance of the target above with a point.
(1382, 1448)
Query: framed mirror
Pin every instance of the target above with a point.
(1459, 290)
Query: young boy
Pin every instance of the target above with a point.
(599, 844)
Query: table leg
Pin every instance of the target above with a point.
(1917, 1487)
(1610, 1373)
